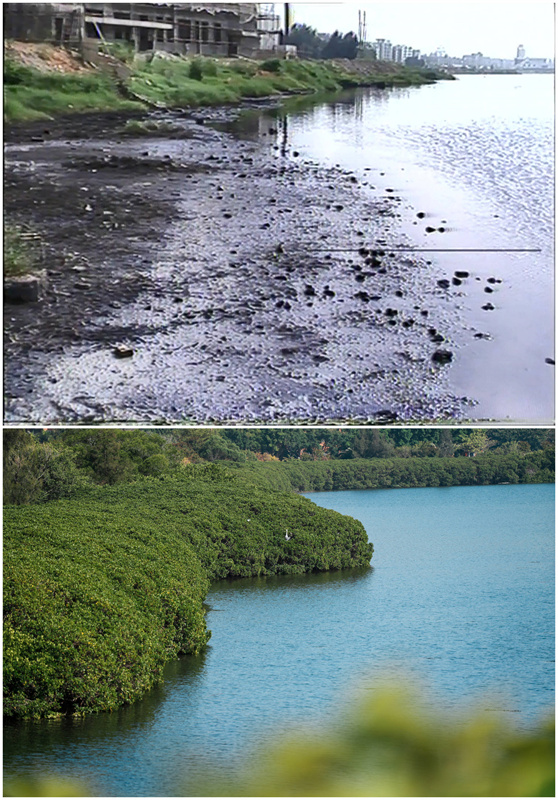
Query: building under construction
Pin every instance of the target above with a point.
(212, 29)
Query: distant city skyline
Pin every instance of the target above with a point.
(494, 29)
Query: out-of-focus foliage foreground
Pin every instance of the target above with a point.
(384, 745)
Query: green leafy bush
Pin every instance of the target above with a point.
(196, 71)
(15, 74)
(271, 65)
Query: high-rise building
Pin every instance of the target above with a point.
(384, 49)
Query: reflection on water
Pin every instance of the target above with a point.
(475, 157)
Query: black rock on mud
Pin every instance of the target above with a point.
(195, 276)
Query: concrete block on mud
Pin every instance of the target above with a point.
(25, 288)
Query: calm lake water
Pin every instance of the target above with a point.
(476, 157)
(461, 595)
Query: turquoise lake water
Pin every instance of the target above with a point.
(461, 595)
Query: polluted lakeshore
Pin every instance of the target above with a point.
(290, 263)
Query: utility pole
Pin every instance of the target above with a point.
(287, 19)
(361, 27)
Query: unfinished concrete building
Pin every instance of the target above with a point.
(55, 23)
(211, 29)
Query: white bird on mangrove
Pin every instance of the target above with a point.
(287, 537)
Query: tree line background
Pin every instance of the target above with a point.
(42, 465)
(311, 45)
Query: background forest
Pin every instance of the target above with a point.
(42, 465)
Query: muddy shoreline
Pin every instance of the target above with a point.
(253, 286)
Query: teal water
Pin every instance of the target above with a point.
(461, 595)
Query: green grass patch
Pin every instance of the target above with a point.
(22, 250)
(47, 95)
(182, 83)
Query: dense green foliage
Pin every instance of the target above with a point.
(334, 443)
(383, 473)
(102, 590)
(311, 45)
(341, 46)
(49, 465)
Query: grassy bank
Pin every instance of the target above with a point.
(100, 591)
(173, 82)
(384, 473)
(33, 95)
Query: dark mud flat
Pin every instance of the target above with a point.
(249, 285)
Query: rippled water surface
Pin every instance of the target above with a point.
(461, 594)
(475, 157)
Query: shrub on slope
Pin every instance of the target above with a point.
(102, 590)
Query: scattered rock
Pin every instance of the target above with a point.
(442, 356)
(549, 361)
(488, 307)
(123, 351)
(461, 274)
(444, 283)
(421, 215)
(25, 288)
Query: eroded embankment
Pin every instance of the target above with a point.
(251, 285)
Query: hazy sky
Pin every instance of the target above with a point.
(492, 28)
